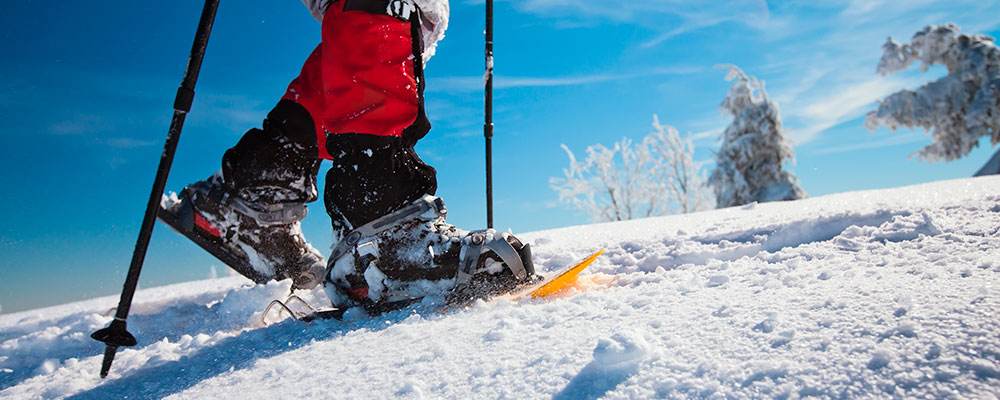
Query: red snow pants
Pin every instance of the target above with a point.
(362, 78)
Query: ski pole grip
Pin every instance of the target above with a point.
(184, 99)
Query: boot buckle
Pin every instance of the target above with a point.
(368, 247)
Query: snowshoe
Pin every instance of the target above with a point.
(411, 253)
(480, 287)
(259, 243)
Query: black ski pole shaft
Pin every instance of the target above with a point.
(488, 126)
(116, 334)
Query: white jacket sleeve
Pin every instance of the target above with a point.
(434, 21)
(317, 7)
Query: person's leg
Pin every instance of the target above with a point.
(251, 208)
(277, 164)
(363, 86)
(372, 78)
(373, 176)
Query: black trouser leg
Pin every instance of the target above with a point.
(371, 177)
(276, 164)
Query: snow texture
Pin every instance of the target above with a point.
(961, 107)
(875, 294)
(749, 164)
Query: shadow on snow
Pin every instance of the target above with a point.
(230, 354)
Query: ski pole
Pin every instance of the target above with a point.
(488, 126)
(116, 335)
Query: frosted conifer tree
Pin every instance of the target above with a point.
(655, 177)
(749, 164)
(961, 107)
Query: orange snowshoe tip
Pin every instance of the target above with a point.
(564, 279)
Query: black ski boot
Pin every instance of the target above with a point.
(412, 253)
(260, 242)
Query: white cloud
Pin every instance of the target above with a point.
(669, 17)
(81, 124)
(875, 9)
(708, 128)
(757, 18)
(500, 82)
(711, 134)
(237, 113)
(753, 12)
(892, 140)
(845, 103)
(809, 79)
(129, 143)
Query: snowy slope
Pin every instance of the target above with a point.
(876, 294)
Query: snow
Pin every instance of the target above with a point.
(876, 294)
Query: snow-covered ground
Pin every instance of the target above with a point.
(877, 294)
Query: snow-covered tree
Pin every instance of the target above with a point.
(961, 107)
(655, 177)
(675, 169)
(606, 187)
(749, 165)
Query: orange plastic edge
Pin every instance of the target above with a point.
(565, 278)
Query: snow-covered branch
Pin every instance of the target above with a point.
(678, 173)
(961, 107)
(657, 176)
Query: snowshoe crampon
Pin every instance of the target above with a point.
(297, 309)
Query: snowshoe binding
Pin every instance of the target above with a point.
(411, 253)
(259, 242)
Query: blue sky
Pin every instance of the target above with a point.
(86, 91)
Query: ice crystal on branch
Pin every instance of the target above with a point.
(961, 107)
(749, 164)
